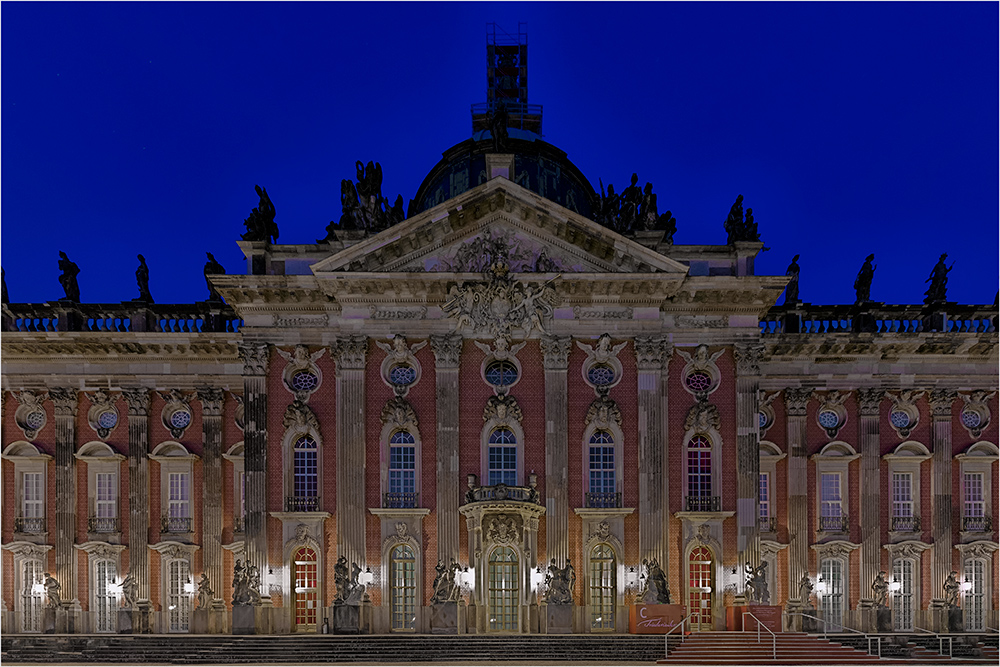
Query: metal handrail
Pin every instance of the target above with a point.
(774, 637)
(666, 645)
(826, 623)
(940, 638)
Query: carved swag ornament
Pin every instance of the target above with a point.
(504, 410)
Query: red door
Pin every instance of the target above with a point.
(701, 584)
(305, 590)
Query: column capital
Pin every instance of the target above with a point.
(349, 352)
(254, 357)
(652, 352)
(748, 356)
(869, 400)
(64, 400)
(212, 401)
(555, 352)
(796, 401)
(447, 350)
(138, 401)
(941, 401)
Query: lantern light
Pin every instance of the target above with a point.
(966, 586)
(366, 577)
(631, 577)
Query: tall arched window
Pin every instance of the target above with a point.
(502, 457)
(603, 588)
(305, 588)
(602, 470)
(304, 485)
(32, 576)
(699, 475)
(831, 572)
(105, 602)
(974, 602)
(902, 598)
(178, 595)
(403, 588)
(402, 470)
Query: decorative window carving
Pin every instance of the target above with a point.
(103, 415)
(301, 376)
(30, 479)
(976, 412)
(501, 369)
(176, 473)
(30, 414)
(832, 415)
(904, 415)
(602, 453)
(303, 449)
(176, 414)
(700, 376)
(400, 455)
(602, 370)
(977, 495)
(400, 368)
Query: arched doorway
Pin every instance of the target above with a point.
(603, 588)
(403, 588)
(304, 560)
(504, 607)
(701, 588)
(902, 598)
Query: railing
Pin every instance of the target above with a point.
(102, 524)
(940, 639)
(774, 637)
(826, 631)
(604, 499)
(123, 317)
(703, 503)
(302, 504)
(906, 524)
(977, 524)
(834, 524)
(238, 523)
(400, 499)
(175, 524)
(666, 645)
(524, 494)
(29, 525)
(767, 524)
(878, 318)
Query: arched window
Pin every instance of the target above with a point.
(831, 572)
(402, 470)
(602, 470)
(105, 602)
(974, 603)
(902, 598)
(305, 487)
(305, 589)
(502, 457)
(403, 588)
(699, 475)
(32, 578)
(178, 594)
(603, 588)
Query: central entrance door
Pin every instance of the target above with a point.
(701, 584)
(503, 590)
(305, 590)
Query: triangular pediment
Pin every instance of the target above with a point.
(539, 236)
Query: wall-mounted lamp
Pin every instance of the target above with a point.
(966, 586)
(631, 577)
(469, 577)
(38, 588)
(821, 586)
(537, 577)
(366, 577)
(894, 585)
(188, 586)
(272, 578)
(115, 588)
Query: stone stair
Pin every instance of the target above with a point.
(740, 648)
(924, 649)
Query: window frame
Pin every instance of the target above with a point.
(515, 428)
(835, 457)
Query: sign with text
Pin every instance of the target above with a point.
(655, 619)
(770, 617)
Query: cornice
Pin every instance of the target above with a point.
(38, 346)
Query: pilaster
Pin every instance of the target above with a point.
(871, 500)
(447, 353)
(65, 405)
(796, 402)
(349, 354)
(138, 402)
(941, 401)
(747, 452)
(255, 359)
(212, 401)
(652, 354)
(555, 351)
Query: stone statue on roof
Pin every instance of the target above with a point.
(142, 278)
(792, 290)
(863, 283)
(68, 278)
(937, 291)
(260, 225)
(212, 268)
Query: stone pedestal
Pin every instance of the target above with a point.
(68, 618)
(444, 618)
(956, 622)
(866, 618)
(654, 618)
(124, 621)
(811, 625)
(244, 620)
(49, 620)
(346, 619)
(768, 615)
(883, 620)
(142, 619)
(471, 617)
(217, 618)
(558, 619)
(945, 619)
(199, 622)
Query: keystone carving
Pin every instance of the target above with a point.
(398, 412)
(254, 357)
(503, 409)
(976, 405)
(604, 351)
(502, 349)
(299, 417)
(398, 349)
(702, 416)
(603, 411)
(175, 401)
(30, 414)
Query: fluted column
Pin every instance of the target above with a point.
(349, 354)
(871, 500)
(747, 452)
(65, 403)
(555, 355)
(138, 491)
(652, 354)
(941, 496)
(799, 537)
(447, 353)
(255, 357)
(211, 505)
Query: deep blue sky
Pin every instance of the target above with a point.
(849, 128)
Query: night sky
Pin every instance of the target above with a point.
(849, 128)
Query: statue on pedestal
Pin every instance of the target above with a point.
(863, 283)
(446, 588)
(792, 290)
(52, 591)
(130, 591)
(212, 268)
(756, 585)
(951, 588)
(142, 278)
(805, 589)
(68, 277)
(880, 590)
(936, 292)
(241, 586)
(205, 592)
(349, 591)
(656, 589)
(559, 583)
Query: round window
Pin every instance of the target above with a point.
(601, 375)
(828, 419)
(304, 381)
(761, 419)
(698, 381)
(107, 419)
(899, 419)
(402, 375)
(501, 373)
(971, 419)
(180, 418)
(35, 419)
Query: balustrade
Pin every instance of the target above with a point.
(102, 524)
(301, 504)
(703, 503)
(400, 499)
(176, 524)
(906, 524)
(604, 499)
(29, 525)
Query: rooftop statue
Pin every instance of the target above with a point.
(498, 121)
(363, 207)
(863, 283)
(938, 280)
(631, 200)
(792, 290)
(212, 268)
(142, 278)
(68, 277)
(260, 225)
(734, 222)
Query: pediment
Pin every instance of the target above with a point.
(538, 235)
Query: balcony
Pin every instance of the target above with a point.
(703, 504)
(906, 524)
(302, 503)
(878, 318)
(501, 492)
(604, 499)
(202, 317)
(29, 525)
(102, 524)
(977, 524)
(767, 524)
(400, 499)
(175, 524)
(833, 524)
(238, 524)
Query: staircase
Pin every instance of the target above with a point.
(742, 648)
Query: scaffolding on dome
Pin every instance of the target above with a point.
(507, 81)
